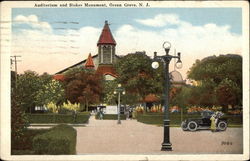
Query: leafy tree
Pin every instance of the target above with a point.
(83, 87)
(50, 91)
(218, 68)
(138, 77)
(108, 94)
(18, 120)
(228, 93)
(220, 80)
(28, 85)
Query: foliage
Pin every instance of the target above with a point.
(175, 118)
(52, 107)
(138, 77)
(220, 81)
(18, 119)
(181, 96)
(109, 96)
(71, 106)
(60, 139)
(38, 90)
(83, 87)
(228, 93)
(112, 117)
(28, 85)
(218, 68)
(50, 91)
(156, 108)
(58, 118)
(26, 142)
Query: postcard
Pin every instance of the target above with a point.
(124, 80)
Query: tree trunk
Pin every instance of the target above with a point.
(224, 109)
(87, 106)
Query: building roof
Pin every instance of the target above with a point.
(176, 77)
(106, 69)
(151, 98)
(106, 36)
(75, 65)
(89, 62)
(59, 77)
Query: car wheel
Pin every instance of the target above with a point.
(192, 126)
(184, 126)
(222, 125)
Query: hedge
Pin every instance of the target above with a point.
(61, 139)
(175, 119)
(24, 144)
(58, 118)
(112, 117)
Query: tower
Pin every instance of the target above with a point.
(106, 53)
(106, 46)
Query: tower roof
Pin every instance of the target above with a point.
(106, 36)
(106, 69)
(89, 62)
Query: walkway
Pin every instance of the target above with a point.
(132, 137)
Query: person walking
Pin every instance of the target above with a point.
(213, 125)
(101, 114)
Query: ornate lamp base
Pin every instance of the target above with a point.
(166, 147)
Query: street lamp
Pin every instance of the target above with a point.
(166, 145)
(119, 90)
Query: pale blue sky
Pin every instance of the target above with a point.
(96, 16)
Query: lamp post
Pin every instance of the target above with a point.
(119, 90)
(166, 145)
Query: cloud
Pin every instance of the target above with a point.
(33, 21)
(49, 52)
(194, 42)
(160, 20)
(43, 51)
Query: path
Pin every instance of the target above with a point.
(132, 137)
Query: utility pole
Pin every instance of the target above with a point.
(15, 61)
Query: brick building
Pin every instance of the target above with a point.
(103, 61)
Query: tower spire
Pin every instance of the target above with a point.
(89, 62)
(106, 37)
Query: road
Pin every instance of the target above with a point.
(132, 137)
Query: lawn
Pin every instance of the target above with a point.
(175, 119)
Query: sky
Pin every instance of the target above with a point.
(50, 40)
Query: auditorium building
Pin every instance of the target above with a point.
(103, 61)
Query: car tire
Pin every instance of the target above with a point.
(222, 125)
(192, 126)
(184, 126)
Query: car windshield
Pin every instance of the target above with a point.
(206, 114)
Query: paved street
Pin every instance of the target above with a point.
(132, 137)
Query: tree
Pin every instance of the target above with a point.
(228, 93)
(83, 87)
(18, 119)
(138, 77)
(50, 91)
(108, 94)
(218, 68)
(220, 80)
(28, 85)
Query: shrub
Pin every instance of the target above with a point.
(82, 118)
(23, 146)
(175, 118)
(112, 117)
(58, 118)
(60, 139)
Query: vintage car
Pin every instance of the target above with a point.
(193, 124)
